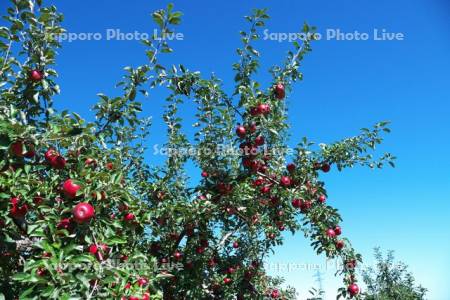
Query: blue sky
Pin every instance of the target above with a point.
(348, 85)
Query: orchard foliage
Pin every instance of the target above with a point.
(83, 216)
(390, 279)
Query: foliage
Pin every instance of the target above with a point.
(143, 231)
(391, 280)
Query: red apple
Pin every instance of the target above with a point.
(227, 280)
(93, 249)
(64, 224)
(50, 154)
(16, 149)
(146, 296)
(240, 131)
(305, 206)
(204, 174)
(275, 294)
(36, 75)
(178, 255)
(70, 188)
(142, 281)
(235, 245)
(83, 212)
(90, 162)
(338, 230)
(58, 162)
(340, 244)
(330, 233)
(279, 91)
(322, 198)
(259, 140)
(285, 181)
(265, 189)
(263, 108)
(17, 211)
(129, 217)
(291, 167)
(325, 167)
(40, 272)
(353, 289)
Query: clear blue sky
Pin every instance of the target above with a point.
(348, 85)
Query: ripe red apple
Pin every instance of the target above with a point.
(70, 188)
(17, 211)
(16, 149)
(146, 296)
(259, 140)
(338, 230)
(40, 272)
(285, 181)
(253, 127)
(263, 108)
(254, 111)
(291, 167)
(83, 212)
(178, 255)
(275, 294)
(129, 217)
(58, 162)
(305, 206)
(265, 189)
(330, 233)
(279, 91)
(227, 280)
(204, 174)
(257, 182)
(325, 167)
(340, 244)
(296, 203)
(90, 162)
(240, 131)
(322, 198)
(142, 281)
(353, 289)
(93, 249)
(50, 154)
(36, 75)
(30, 153)
(64, 224)
(235, 245)
(109, 166)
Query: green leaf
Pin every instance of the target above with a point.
(158, 18)
(21, 277)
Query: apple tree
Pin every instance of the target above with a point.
(83, 215)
